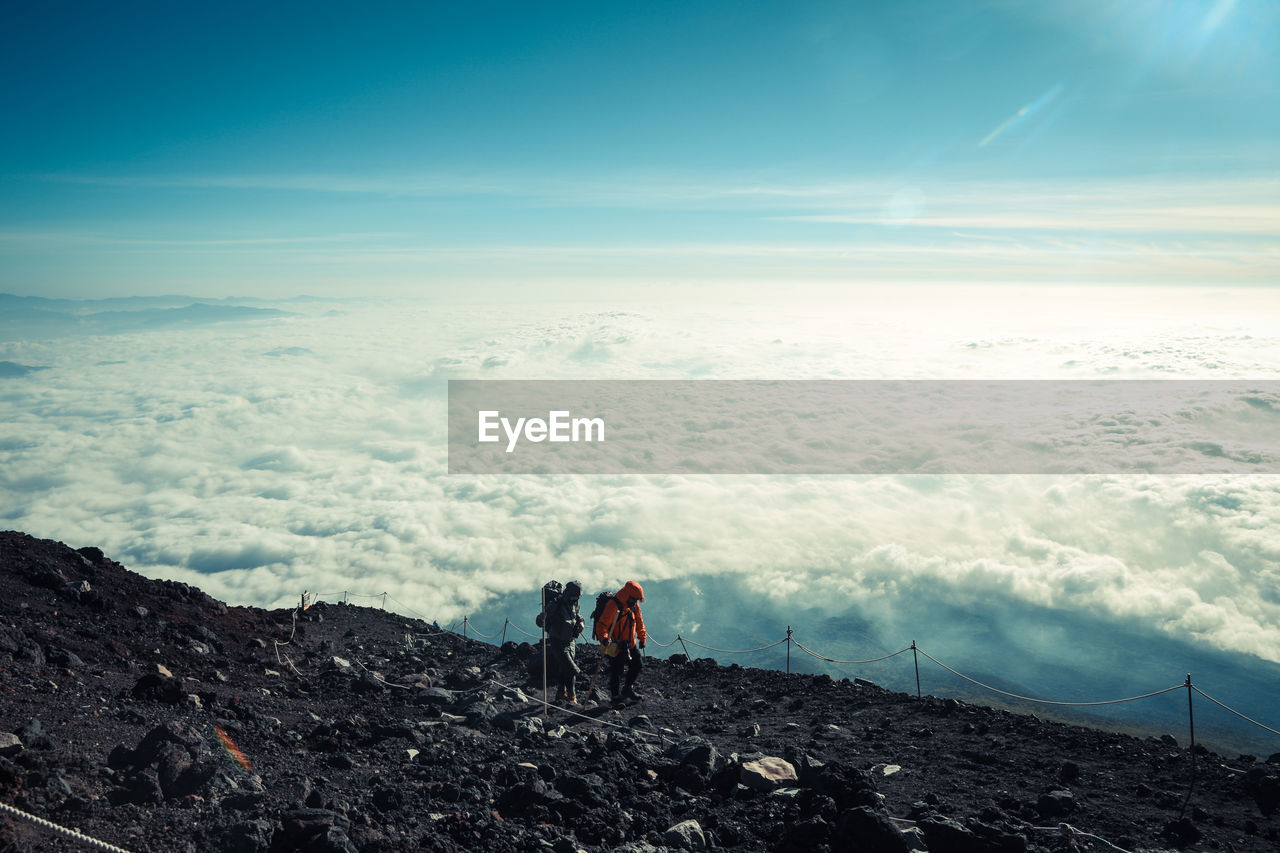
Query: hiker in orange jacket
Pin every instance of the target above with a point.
(620, 628)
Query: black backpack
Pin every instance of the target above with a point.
(550, 595)
(602, 600)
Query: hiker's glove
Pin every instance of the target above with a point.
(642, 644)
(611, 650)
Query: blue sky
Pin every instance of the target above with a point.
(236, 150)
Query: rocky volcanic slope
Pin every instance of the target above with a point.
(114, 688)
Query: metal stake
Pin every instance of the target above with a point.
(916, 655)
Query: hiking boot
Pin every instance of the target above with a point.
(561, 695)
(630, 693)
(573, 699)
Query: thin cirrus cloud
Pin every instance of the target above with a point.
(663, 188)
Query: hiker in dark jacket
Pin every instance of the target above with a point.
(563, 624)
(620, 628)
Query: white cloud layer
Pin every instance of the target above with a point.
(257, 460)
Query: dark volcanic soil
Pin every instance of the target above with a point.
(375, 732)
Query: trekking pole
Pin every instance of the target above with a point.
(916, 655)
(788, 648)
(599, 665)
(544, 649)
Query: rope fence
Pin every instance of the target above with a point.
(1047, 701)
(1233, 710)
(468, 629)
(729, 651)
(75, 834)
(812, 653)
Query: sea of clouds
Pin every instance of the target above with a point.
(258, 457)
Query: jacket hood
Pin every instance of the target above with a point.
(630, 592)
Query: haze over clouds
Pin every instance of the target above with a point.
(260, 459)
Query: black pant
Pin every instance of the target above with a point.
(629, 658)
(561, 666)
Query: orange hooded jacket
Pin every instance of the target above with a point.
(623, 626)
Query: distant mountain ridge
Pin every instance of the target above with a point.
(23, 317)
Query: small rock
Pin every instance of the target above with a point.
(75, 589)
(249, 836)
(698, 752)
(1264, 788)
(1056, 804)
(434, 696)
(120, 757)
(142, 788)
(10, 744)
(388, 799)
(63, 657)
(1181, 832)
(686, 835)
(33, 736)
(158, 686)
(946, 836)
(767, 773)
(873, 829)
(512, 694)
(302, 825)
